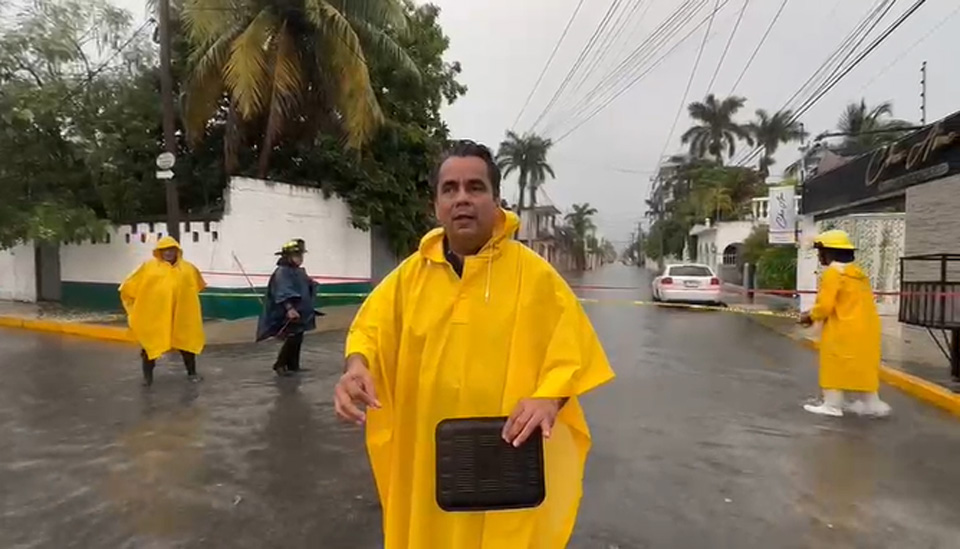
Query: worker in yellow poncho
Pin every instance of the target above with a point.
(850, 340)
(474, 324)
(162, 301)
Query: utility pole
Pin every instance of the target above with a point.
(923, 94)
(169, 121)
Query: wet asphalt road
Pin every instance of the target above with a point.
(700, 442)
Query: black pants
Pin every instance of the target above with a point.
(189, 361)
(289, 356)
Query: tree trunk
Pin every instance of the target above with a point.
(522, 183)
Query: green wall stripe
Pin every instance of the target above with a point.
(217, 303)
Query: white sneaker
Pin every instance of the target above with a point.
(857, 407)
(823, 410)
(877, 408)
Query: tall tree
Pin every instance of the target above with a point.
(526, 155)
(290, 62)
(580, 220)
(770, 131)
(860, 121)
(78, 120)
(715, 131)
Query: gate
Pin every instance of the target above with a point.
(930, 298)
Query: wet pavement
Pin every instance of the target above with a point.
(700, 442)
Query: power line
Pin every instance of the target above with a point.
(597, 110)
(726, 48)
(863, 55)
(546, 66)
(759, 45)
(628, 67)
(842, 52)
(693, 73)
(103, 66)
(873, 45)
(577, 64)
(913, 46)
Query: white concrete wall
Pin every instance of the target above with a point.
(807, 263)
(259, 217)
(18, 280)
(713, 241)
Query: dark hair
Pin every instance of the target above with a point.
(829, 255)
(464, 148)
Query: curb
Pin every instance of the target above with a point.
(80, 329)
(917, 387)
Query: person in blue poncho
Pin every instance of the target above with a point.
(288, 308)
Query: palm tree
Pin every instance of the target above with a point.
(581, 224)
(858, 120)
(716, 132)
(527, 156)
(770, 131)
(286, 62)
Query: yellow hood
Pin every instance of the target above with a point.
(167, 242)
(431, 245)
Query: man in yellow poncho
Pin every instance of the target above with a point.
(850, 341)
(474, 324)
(162, 301)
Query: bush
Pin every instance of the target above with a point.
(777, 268)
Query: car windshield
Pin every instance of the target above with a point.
(690, 270)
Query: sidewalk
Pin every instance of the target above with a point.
(51, 317)
(910, 359)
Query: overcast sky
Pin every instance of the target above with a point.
(504, 44)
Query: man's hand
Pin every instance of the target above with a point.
(806, 320)
(292, 314)
(354, 389)
(529, 414)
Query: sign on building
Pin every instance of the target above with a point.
(783, 215)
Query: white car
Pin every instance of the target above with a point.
(687, 283)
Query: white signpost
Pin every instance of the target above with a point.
(165, 163)
(783, 215)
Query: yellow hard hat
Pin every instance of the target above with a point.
(835, 239)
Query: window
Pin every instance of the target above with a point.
(690, 270)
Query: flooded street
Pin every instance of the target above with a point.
(700, 442)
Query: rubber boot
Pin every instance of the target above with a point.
(147, 366)
(190, 362)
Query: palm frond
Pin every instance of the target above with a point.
(205, 21)
(205, 86)
(246, 69)
(287, 81)
(381, 44)
(341, 50)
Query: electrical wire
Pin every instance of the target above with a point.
(576, 65)
(106, 63)
(726, 48)
(693, 74)
(913, 46)
(628, 68)
(759, 45)
(863, 55)
(849, 43)
(637, 78)
(546, 66)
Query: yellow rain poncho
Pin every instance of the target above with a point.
(162, 302)
(850, 341)
(441, 347)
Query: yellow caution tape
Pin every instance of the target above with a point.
(695, 307)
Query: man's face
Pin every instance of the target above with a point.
(465, 204)
(169, 254)
(296, 259)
